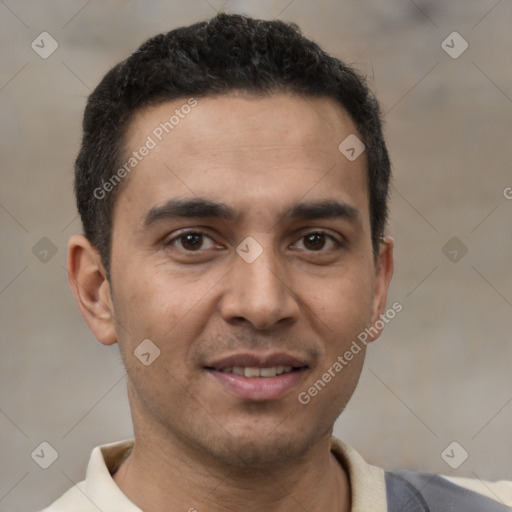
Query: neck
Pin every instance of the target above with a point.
(159, 476)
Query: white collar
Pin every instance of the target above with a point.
(99, 491)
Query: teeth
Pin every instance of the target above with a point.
(252, 372)
(268, 372)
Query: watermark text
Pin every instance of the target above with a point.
(157, 135)
(363, 338)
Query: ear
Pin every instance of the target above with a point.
(91, 288)
(383, 274)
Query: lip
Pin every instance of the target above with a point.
(257, 361)
(262, 388)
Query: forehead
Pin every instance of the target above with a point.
(227, 118)
(237, 147)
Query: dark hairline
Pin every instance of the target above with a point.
(235, 92)
(158, 72)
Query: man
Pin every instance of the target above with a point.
(232, 184)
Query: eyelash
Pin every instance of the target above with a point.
(170, 242)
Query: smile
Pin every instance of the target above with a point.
(254, 373)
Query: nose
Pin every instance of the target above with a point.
(259, 293)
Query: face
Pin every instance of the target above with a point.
(242, 249)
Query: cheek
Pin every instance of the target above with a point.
(167, 308)
(344, 304)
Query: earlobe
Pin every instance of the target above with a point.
(383, 274)
(91, 288)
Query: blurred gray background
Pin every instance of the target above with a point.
(441, 371)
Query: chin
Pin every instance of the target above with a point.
(253, 447)
(263, 453)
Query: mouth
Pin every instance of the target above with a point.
(252, 372)
(258, 378)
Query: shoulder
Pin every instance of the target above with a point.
(428, 492)
(98, 491)
(74, 499)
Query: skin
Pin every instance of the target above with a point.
(197, 444)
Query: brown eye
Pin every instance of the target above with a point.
(314, 241)
(318, 241)
(192, 241)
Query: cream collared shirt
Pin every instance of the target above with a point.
(99, 491)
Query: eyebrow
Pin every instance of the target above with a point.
(205, 208)
(188, 208)
(324, 209)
